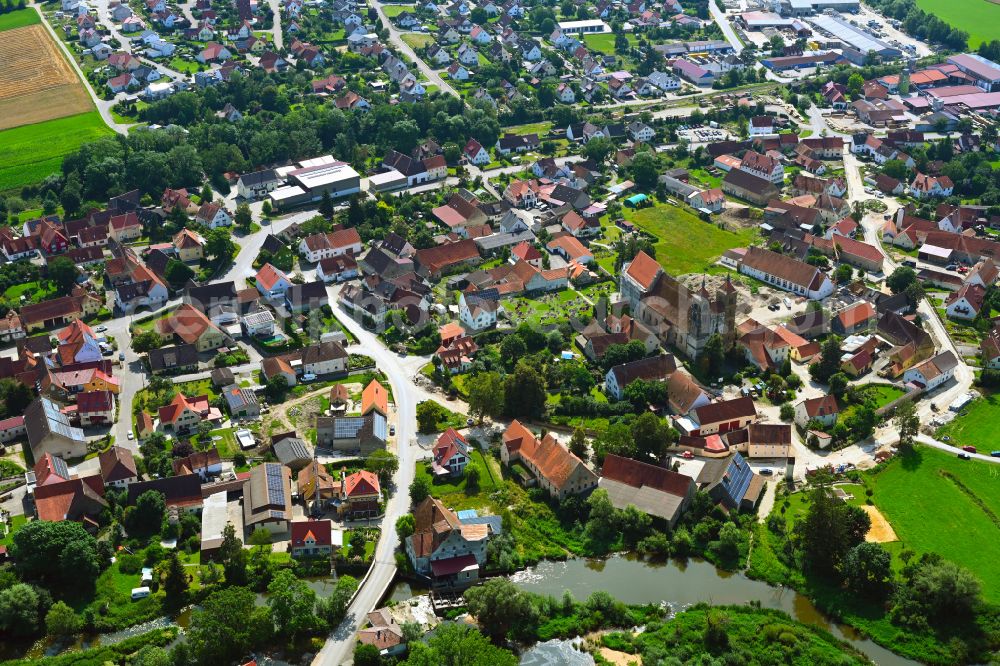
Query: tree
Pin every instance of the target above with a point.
(276, 388)
(713, 355)
(61, 621)
(146, 517)
(206, 194)
(578, 444)
(843, 274)
(153, 656)
(177, 274)
(900, 279)
(219, 244)
(598, 149)
(907, 424)
(405, 526)
(787, 412)
(326, 205)
(830, 529)
(15, 397)
(512, 349)
(63, 272)
(652, 435)
(602, 524)
(895, 169)
(333, 608)
(458, 645)
(243, 218)
(645, 169)
(291, 601)
(484, 393)
(429, 414)
(867, 570)
(524, 393)
(19, 612)
(227, 626)
(472, 475)
(854, 84)
(939, 591)
(829, 360)
(365, 654)
(357, 543)
(56, 554)
(499, 606)
(419, 490)
(233, 557)
(384, 464)
(175, 581)
(145, 341)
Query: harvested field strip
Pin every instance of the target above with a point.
(37, 83)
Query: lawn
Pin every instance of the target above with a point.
(684, 243)
(939, 503)
(32, 152)
(16, 523)
(455, 493)
(417, 41)
(977, 425)
(882, 394)
(226, 443)
(973, 16)
(392, 11)
(19, 19)
(605, 42)
(33, 291)
(541, 129)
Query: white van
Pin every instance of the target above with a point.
(139, 593)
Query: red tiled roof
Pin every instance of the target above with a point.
(320, 530)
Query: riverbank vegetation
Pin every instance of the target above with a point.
(914, 597)
(733, 634)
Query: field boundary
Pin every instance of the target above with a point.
(972, 496)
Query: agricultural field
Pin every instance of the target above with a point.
(32, 152)
(979, 18)
(37, 82)
(936, 502)
(605, 42)
(684, 243)
(976, 426)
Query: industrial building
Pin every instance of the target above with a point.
(857, 43)
(590, 26)
(985, 72)
(810, 7)
(308, 180)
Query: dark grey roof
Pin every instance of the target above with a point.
(165, 358)
(291, 449)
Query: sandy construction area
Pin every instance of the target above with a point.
(881, 531)
(36, 81)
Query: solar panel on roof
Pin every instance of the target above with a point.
(275, 484)
(348, 428)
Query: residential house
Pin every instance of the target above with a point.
(933, 372)
(651, 369)
(334, 244)
(325, 358)
(450, 454)
(272, 283)
(360, 494)
(118, 467)
(656, 491)
(193, 327)
(823, 410)
(966, 303)
(311, 538)
(183, 413)
(718, 417)
(306, 297)
(213, 216)
(554, 467)
(786, 273)
(241, 402)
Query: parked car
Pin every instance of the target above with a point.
(964, 456)
(392, 430)
(121, 356)
(767, 471)
(308, 377)
(969, 449)
(101, 329)
(909, 263)
(130, 435)
(687, 455)
(995, 454)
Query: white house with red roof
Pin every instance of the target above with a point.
(272, 283)
(924, 186)
(475, 153)
(333, 244)
(311, 538)
(451, 454)
(526, 252)
(213, 216)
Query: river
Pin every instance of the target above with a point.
(683, 584)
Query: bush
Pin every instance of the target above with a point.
(129, 564)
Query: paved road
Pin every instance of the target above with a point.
(103, 106)
(725, 26)
(279, 39)
(107, 22)
(340, 644)
(396, 37)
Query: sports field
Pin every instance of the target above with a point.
(979, 18)
(936, 502)
(32, 152)
(37, 83)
